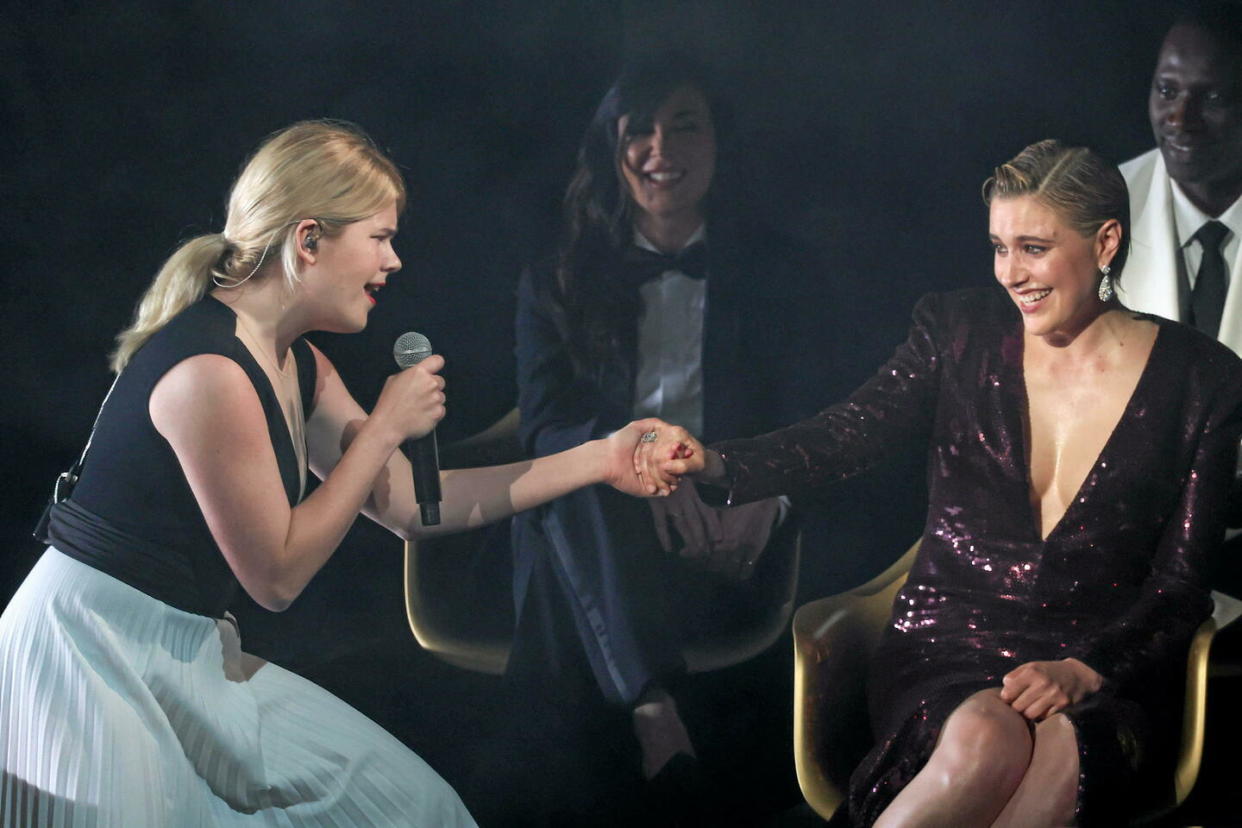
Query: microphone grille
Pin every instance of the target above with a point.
(410, 349)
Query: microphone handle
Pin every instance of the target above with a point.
(425, 458)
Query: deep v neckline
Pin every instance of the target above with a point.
(1105, 449)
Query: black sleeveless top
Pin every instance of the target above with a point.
(132, 513)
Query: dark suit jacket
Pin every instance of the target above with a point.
(770, 325)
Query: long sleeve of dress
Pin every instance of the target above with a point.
(897, 403)
(1175, 596)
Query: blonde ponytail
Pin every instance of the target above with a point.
(325, 170)
(182, 281)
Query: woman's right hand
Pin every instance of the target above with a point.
(412, 401)
(1039, 689)
(665, 455)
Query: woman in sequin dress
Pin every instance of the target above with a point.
(1080, 458)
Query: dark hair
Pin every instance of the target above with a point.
(1221, 18)
(1085, 190)
(601, 309)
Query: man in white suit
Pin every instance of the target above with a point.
(1186, 216)
(1186, 195)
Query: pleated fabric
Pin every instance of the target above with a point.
(119, 710)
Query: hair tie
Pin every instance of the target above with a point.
(232, 283)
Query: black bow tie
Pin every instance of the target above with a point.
(643, 264)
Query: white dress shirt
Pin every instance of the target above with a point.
(1190, 218)
(669, 383)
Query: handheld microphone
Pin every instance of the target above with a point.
(410, 349)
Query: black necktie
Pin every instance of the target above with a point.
(643, 264)
(1207, 300)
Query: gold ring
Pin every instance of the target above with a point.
(649, 437)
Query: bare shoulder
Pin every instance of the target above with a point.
(201, 389)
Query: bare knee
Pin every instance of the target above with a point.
(1056, 743)
(985, 743)
(1057, 732)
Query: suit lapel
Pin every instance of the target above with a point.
(1231, 319)
(1150, 281)
(1153, 280)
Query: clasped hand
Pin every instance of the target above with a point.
(1039, 689)
(658, 455)
(665, 454)
(639, 467)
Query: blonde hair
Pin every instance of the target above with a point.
(1085, 190)
(329, 171)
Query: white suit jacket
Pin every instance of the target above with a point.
(1153, 273)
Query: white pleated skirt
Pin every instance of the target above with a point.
(117, 710)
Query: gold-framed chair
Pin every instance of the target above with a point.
(459, 603)
(833, 641)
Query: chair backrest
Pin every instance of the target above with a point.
(452, 612)
(833, 641)
(457, 597)
(772, 591)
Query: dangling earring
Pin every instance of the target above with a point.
(1106, 284)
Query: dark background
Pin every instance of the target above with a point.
(863, 128)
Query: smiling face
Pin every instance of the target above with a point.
(668, 163)
(1050, 269)
(1196, 114)
(350, 268)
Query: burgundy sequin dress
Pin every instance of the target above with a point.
(1120, 582)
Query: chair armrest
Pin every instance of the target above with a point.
(1194, 711)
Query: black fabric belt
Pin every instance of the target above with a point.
(159, 570)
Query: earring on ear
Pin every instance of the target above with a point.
(1105, 291)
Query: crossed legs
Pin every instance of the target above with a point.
(991, 767)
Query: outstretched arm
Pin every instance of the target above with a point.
(208, 410)
(897, 403)
(471, 497)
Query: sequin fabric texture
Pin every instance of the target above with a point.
(1120, 581)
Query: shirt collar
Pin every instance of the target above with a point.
(1190, 218)
(698, 235)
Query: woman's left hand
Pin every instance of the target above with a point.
(619, 467)
(1039, 689)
